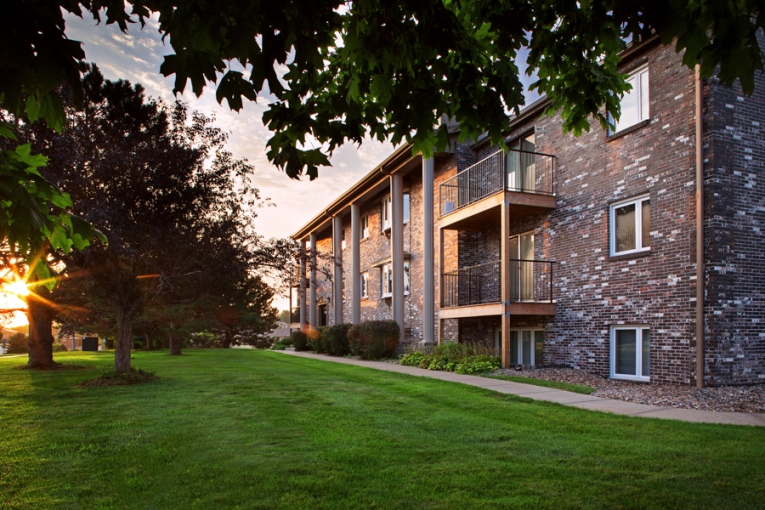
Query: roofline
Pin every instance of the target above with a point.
(374, 177)
(541, 104)
(340, 202)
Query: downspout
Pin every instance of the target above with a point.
(699, 233)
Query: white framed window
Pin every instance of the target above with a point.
(387, 279)
(387, 211)
(634, 104)
(630, 223)
(364, 284)
(365, 227)
(631, 353)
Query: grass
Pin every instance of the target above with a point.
(576, 388)
(254, 429)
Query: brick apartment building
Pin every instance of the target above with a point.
(576, 251)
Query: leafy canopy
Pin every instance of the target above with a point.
(336, 71)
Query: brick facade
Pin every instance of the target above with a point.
(595, 291)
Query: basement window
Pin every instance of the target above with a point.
(631, 353)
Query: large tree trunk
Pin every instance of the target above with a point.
(228, 338)
(175, 346)
(40, 317)
(124, 340)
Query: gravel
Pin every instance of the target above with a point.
(740, 399)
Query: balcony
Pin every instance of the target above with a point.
(527, 178)
(477, 290)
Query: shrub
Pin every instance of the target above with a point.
(59, 348)
(335, 340)
(17, 344)
(315, 340)
(278, 346)
(374, 339)
(454, 357)
(300, 340)
(412, 359)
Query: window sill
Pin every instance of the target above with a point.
(632, 378)
(630, 256)
(628, 130)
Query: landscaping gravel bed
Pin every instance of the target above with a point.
(741, 399)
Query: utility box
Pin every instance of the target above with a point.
(90, 343)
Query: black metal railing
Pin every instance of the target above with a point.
(530, 281)
(474, 285)
(516, 170)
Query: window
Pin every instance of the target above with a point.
(630, 353)
(526, 346)
(520, 164)
(387, 279)
(365, 227)
(634, 104)
(364, 284)
(630, 226)
(343, 245)
(387, 211)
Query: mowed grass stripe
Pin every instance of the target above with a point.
(253, 429)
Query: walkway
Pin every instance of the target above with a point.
(552, 395)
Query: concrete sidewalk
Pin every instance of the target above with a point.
(552, 395)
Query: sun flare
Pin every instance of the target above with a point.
(17, 288)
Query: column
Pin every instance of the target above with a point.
(337, 249)
(312, 294)
(440, 283)
(355, 263)
(428, 286)
(505, 274)
(302, 283)
(397, 248)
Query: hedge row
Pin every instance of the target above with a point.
(368, 340)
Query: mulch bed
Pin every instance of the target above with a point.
(121, 378)
(740, 399)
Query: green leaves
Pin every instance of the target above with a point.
(339, 72)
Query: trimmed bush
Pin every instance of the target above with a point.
(59, 348)
(17, 344)
(335, 340)
(315, 340)
(300, 340)
(374, 339)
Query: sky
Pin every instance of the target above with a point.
(137, 55)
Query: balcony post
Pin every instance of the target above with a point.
(397, 248)
(428, 308)
(505, 275)
(441, 271)
(337, 249)
(312, 293)
(355, 263)
(302, 283)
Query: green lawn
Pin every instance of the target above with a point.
(576, 388)
(251, 429)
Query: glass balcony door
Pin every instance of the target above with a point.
(522, 268)
(521, 166)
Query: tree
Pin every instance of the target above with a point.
(388, 69)
(159, 182)
(336, 71)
